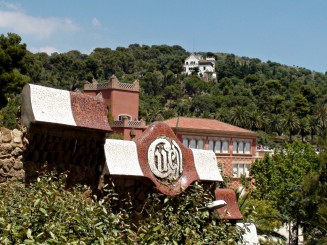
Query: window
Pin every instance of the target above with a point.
(241, 147)
(194, 143)
(218, 146)
(240, 169)
(200, 144)
(122, 116)
(247, 148)
(224, 148)
(185, 142)
(211, 145)
(235, 147)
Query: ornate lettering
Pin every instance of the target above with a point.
(165, 159)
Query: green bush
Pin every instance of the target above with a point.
(8, 114)
(45, 212)
(180, 220)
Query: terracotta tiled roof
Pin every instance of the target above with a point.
(196, 124)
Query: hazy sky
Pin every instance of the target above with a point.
(291, 32)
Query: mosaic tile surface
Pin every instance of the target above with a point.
(231, 211)
(206, 165)
(51, 105)
(89, 111)
(121, 158)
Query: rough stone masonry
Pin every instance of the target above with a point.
(12, 146)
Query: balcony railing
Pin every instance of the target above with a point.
(128, 124)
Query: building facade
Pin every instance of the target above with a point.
(205, 67)
(235, 147)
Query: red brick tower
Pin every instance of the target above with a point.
(122, 103)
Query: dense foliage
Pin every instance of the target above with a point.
(292, 184)
(46, 212)
(10, 113)
(12, 66)
(273, 99)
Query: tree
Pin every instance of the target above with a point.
(291, 124)
(183, 106)
(275, 123)
(280, 179)
(266, 218)
(12, 54)
(153, 83)
(301, 105)
(239, 116)
(313, 125)
(256, 120)
(304, 127)
(9, 113)
(222, 114)
(322, 119)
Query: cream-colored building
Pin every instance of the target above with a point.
(206, 67)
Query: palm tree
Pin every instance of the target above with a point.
(322, 119)
(222, 114)
(154, 113)
(304, 127)
(291, 123)
(275, 123)
(313, 126)
(239, 116)
(256, 120)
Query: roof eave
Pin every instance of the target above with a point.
(214, 132)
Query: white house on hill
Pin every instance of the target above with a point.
(206, 67)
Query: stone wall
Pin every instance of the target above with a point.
(65, 149)
(12, 147)
(79, 153)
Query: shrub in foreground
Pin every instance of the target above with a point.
(45, 212)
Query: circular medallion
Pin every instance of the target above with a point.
(165, 159)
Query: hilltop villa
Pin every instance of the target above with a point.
(205, 67)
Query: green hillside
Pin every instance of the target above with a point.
(277, 100)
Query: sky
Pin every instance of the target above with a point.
(290, 32)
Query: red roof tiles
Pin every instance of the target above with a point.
(196, 124)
